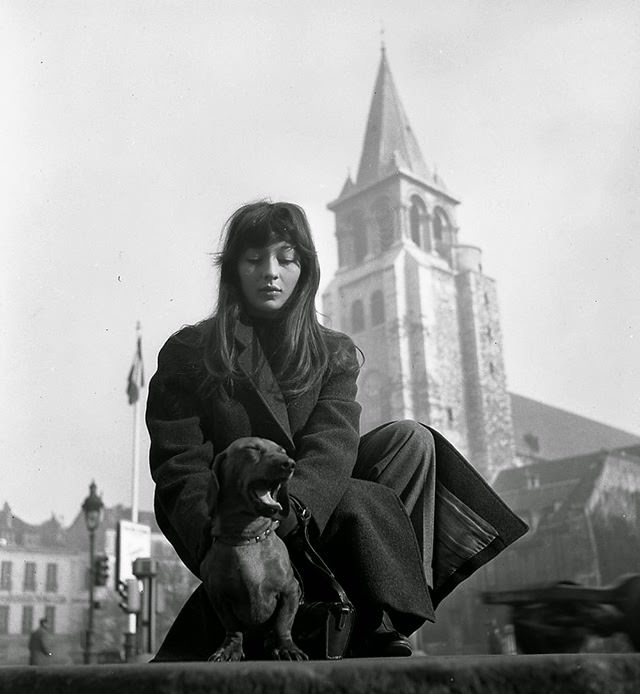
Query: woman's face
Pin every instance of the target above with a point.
(268, 277)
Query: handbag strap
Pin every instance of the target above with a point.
(304, 516)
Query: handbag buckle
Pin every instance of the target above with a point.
(342, 617)
(302, 512)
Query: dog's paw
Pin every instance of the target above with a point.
(227, 654)
(287, 651)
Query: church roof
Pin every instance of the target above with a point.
(389, 142)
(50, 534)
(16, 532)
(557, 433)
(554, 489)
(549, 479)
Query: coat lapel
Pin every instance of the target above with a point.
(255, 366)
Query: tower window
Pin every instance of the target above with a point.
(357, 316)
(416, 215)
(492, 368)
(384, 221)
(358, 232)
(450, 415)
(344, 248)
(377, 308)
(359, 247)
(532, 442)
(440, 224)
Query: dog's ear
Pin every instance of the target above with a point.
(215, 482)
(283, 499)
(216, 466)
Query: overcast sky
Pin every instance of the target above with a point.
(131, 130)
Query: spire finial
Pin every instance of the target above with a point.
(382, 46)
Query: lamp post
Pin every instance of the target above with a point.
(92, 508)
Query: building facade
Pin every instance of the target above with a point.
(414, 299)
(44, 572)
(583, 515)
(40, 576)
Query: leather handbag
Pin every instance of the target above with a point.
(326, 617)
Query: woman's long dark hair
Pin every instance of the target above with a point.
(302, 353)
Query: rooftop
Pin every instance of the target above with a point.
(555, 433)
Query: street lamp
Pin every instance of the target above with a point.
(92, 508)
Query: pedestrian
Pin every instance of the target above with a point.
(494, 638)
(40, 644)
(398, 514)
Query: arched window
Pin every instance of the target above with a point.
(377, 308)
(357, 316)
(440, 223)
(358, 231)
(416, 215)
(383, 214)
(344, 250)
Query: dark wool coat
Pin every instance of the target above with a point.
(40, 647)
(374, 553)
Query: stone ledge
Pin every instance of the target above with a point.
(551, 674)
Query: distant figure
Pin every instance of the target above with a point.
(495, 638)
(40, 645)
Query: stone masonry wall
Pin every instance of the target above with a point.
(488, 406)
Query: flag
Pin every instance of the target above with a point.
(135, 380)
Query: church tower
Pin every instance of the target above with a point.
(413, 298)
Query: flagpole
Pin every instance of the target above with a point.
(135, 383)
(133, 623)
(136, 445)
(136, 462)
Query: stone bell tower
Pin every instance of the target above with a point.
(413, 298)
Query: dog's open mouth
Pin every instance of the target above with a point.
(265, 492)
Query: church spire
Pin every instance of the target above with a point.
(389, 142)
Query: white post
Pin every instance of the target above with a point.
(136, 461)
(133, 624)
(135, 473)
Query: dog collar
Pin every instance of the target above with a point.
(239, 540)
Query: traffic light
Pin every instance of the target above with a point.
(130, 594)
(100, 570)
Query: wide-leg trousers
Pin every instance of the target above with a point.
(401, 455)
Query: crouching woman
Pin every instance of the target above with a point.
(398, 514)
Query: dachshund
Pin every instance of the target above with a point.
(247, 571)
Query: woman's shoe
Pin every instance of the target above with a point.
(388, 644)
(385, 642)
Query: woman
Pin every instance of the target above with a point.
(398, 532)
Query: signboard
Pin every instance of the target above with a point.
(133, 541)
